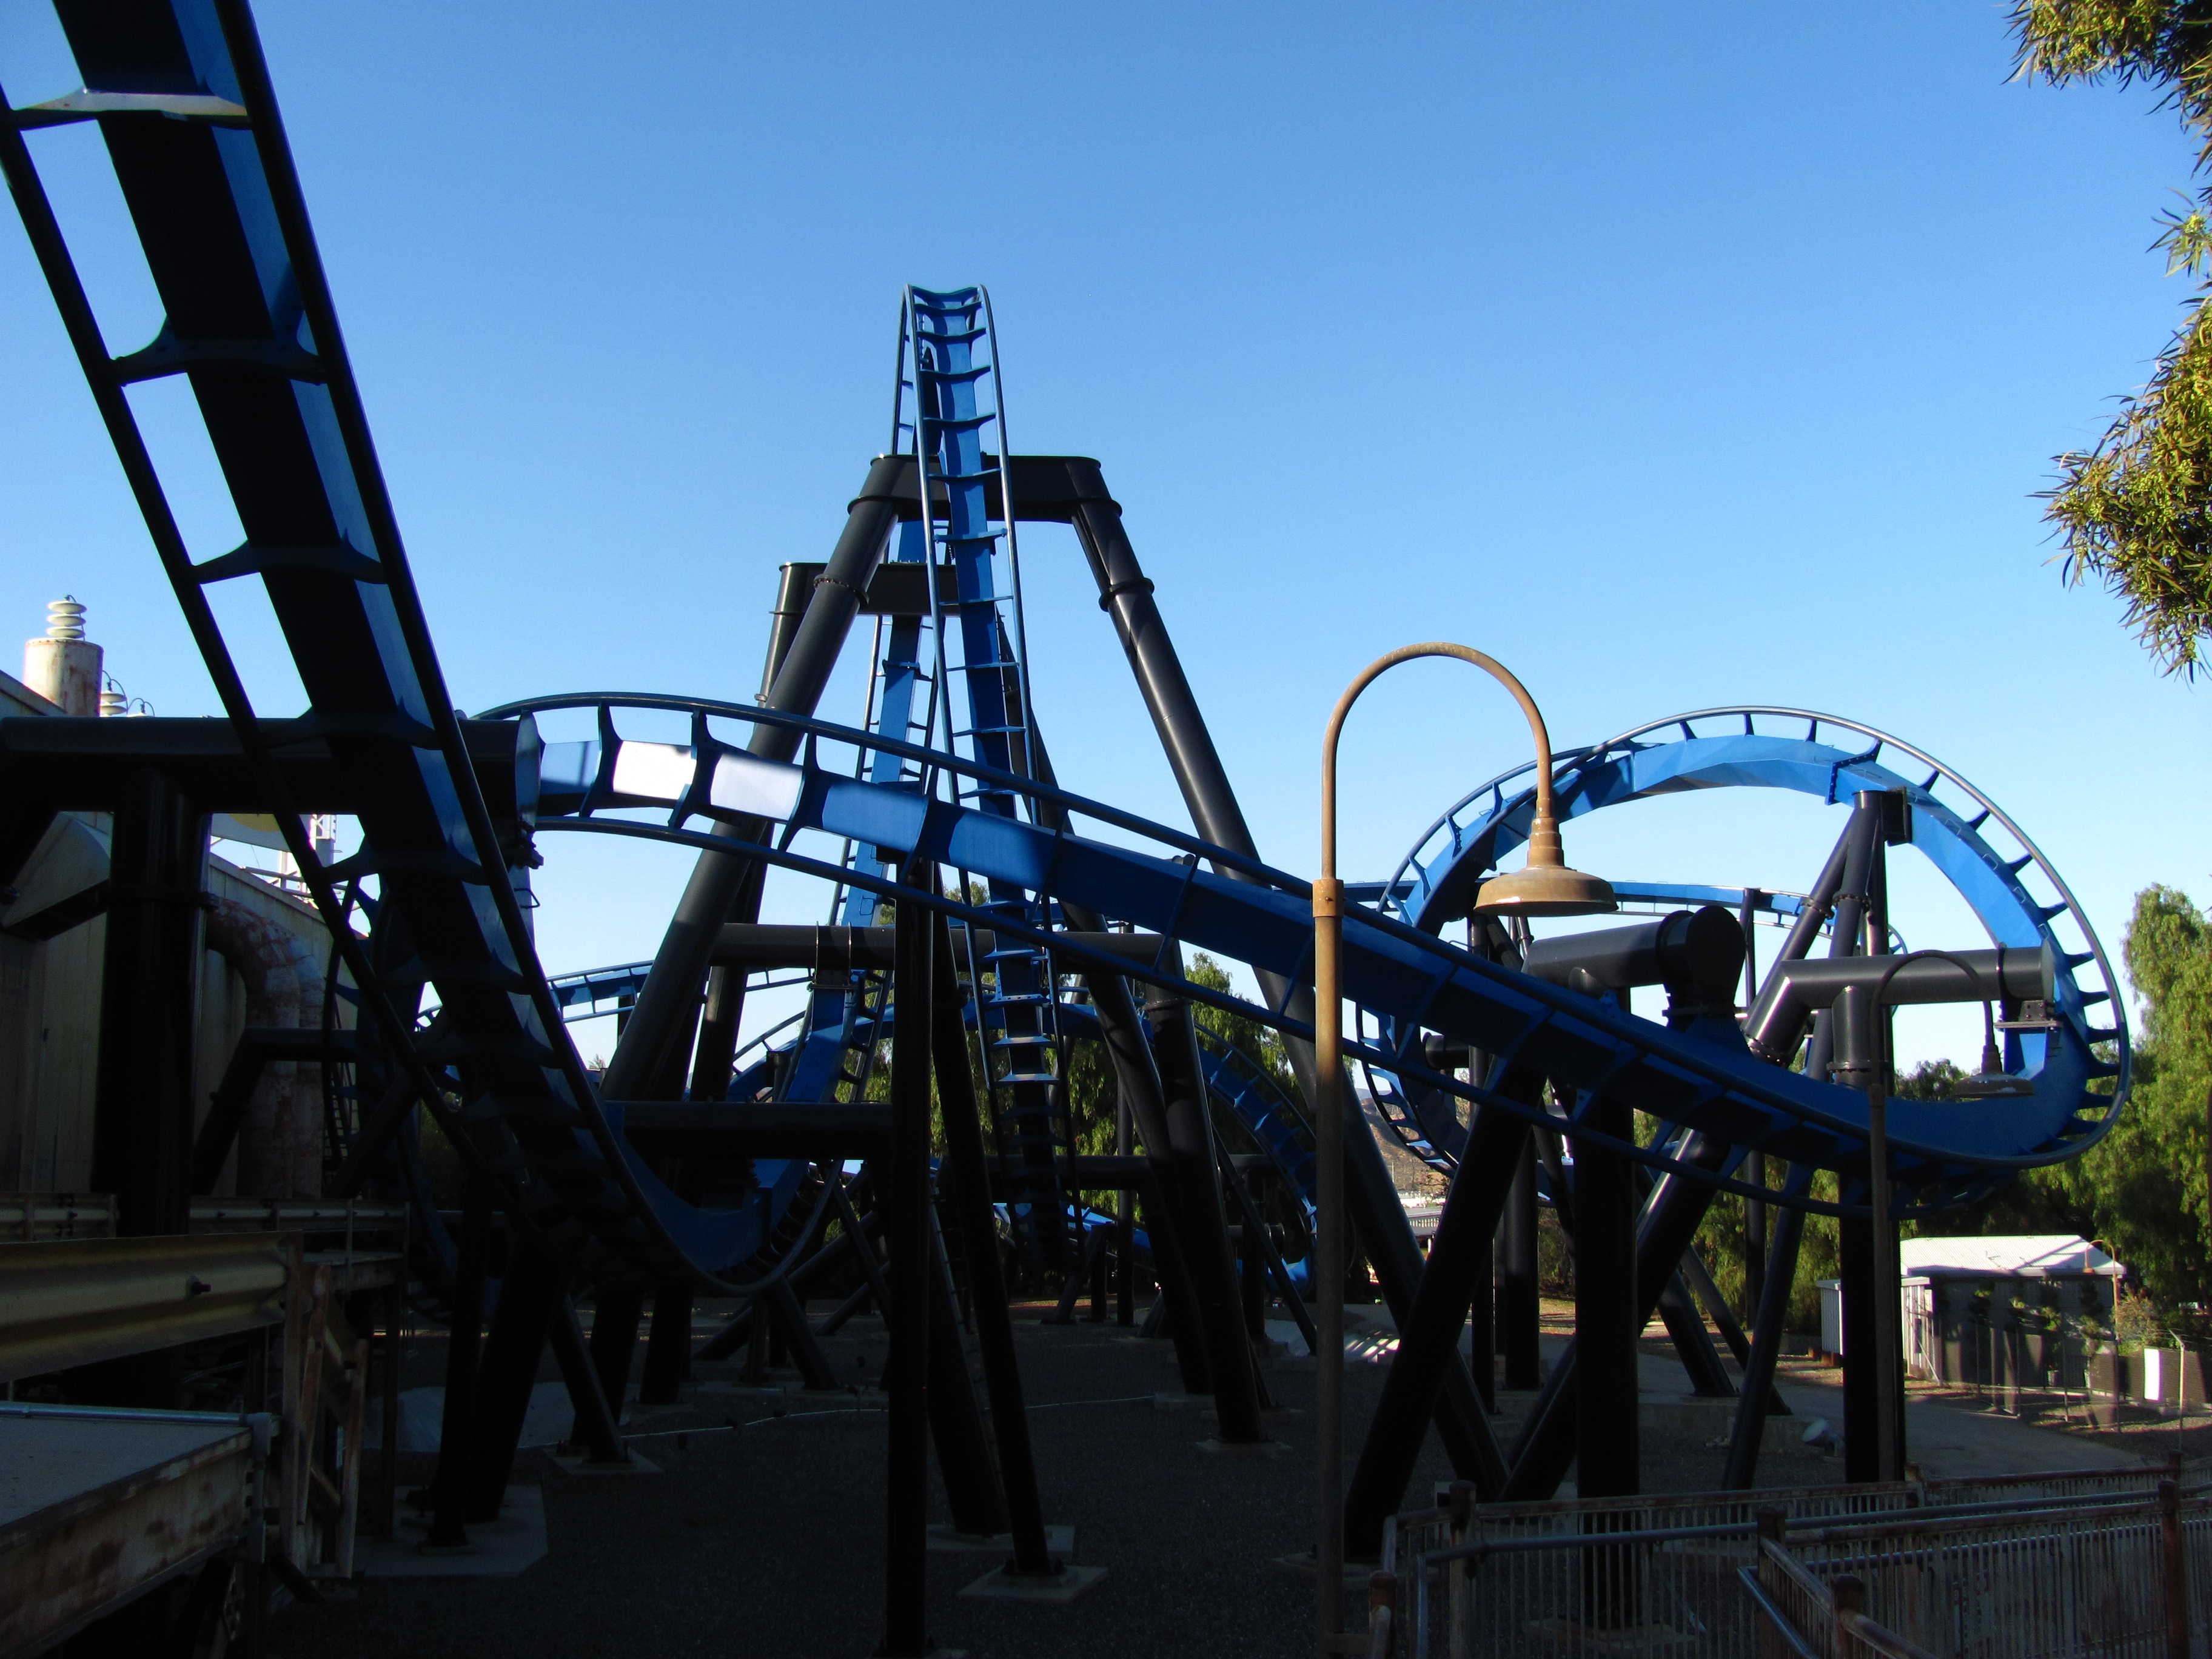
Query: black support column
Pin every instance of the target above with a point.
(967, 1182)
(143, 1108)
(1854, 1267)
(1202, 1223)
(1428, 1336)
(910, 1236)
(1609, 1315)
(648, 1056)
(463, 1348)
(1520, 1309)
(1125, 594)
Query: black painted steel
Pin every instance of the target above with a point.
(1754, 1238)
(758, 1128)
(1608, 1315)
(1194, 1187)
(667, 1347)
(1125, 1225)
(616, 1318)
(1520, 1309)
(451, 1490)
(1752, 1406)
(1700, 1279)
(1269, 1259)
(668, 1000)
(966, 1184)
(1459, 1258)
(143, 1106)
(714, 1054)
(86, 764)
(258, 1046)
(1799, 989)
(1699, 951)
(1693, 1344)
(1125, 594)
(1855, 1268)
(1838, 890)
(965, 1458)
(1672, 1215)
(1482, 1320)
(596, 1428)
(907, 1318)
(532, 1293)
(1140, 1094)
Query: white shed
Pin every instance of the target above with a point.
(1972, 1308)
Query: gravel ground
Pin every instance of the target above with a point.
(766, 1539)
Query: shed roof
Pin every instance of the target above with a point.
(2009, 1255)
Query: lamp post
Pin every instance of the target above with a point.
(1547, 887)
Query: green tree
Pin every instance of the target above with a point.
(2135, 511)
(2143, 1189)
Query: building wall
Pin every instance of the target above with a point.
(50, 995)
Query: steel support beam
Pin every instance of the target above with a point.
(1671, 1218)
(1693, 1344)
(906, 1195)
(1520, 1309)
(1609, 1315)
(1752, 1404)
(667, 1349)
(533, 1293)
(448, 1526)
(1125, 594)
(1194, 1185)
(1459, 1257)
(617, 1315)
(668, 1002)
(598, 1427)
(143, 1106)
(966, 1180)
(973, 1491)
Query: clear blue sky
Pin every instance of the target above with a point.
(1677, 355)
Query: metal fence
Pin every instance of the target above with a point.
(1666, 1574)
(2125, 1579)
(2054, 1484)
(1587, 1574)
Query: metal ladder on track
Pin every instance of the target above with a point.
(978, 638)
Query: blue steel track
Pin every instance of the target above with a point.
(194, 128)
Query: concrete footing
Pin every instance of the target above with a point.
(1243, 1448)
(999, 1585)
(580, 1463)
(943, 1539)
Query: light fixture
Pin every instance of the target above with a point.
(1545, 888)
(1992, 1082)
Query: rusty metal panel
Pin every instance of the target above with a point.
(96, 1507)
(82, 1300)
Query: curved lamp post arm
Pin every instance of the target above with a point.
(1545, 888)
(1374, 672)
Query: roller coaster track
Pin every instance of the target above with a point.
(1418, 981)
(198, 147)
(1759, 746)
(198, 143)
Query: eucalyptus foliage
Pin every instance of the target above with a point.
(2135, 511)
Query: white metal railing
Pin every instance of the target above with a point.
(1679, 1573)
(2120, 1580)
